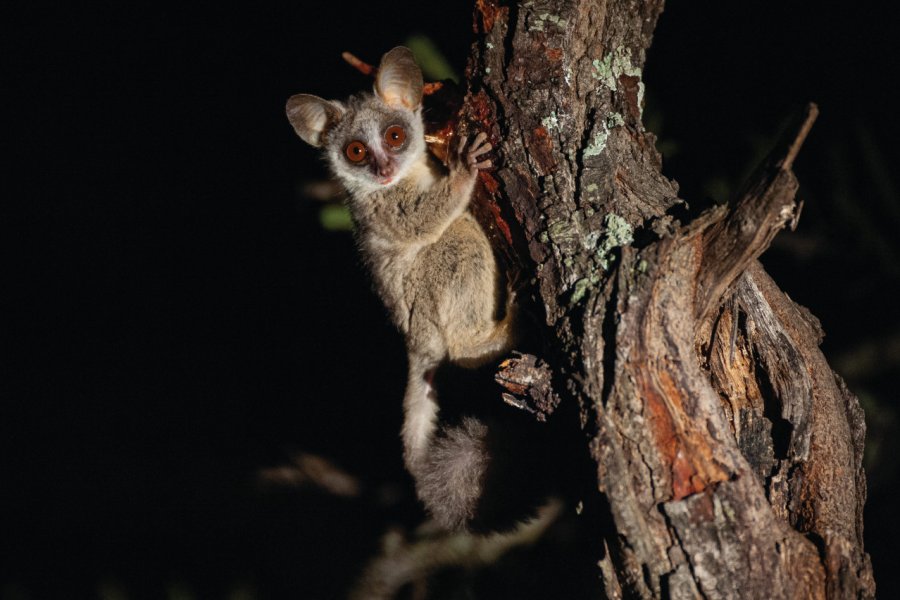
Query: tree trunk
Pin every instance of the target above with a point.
(728, 454)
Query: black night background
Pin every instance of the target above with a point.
(179, 319)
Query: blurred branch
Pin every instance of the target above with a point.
(402, 562)
(310, 470)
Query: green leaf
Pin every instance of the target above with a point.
(335, 217)
(434, 65)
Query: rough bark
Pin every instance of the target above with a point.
(728, 453)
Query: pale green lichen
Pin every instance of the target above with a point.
(487, 70)
(555, 229)
(489, 45)
(614, 65)
(618, 230)
(580, 289)
(642, 266)
(598, 143)
(603, 71)
(551, 122)
(561, 232)
(561, 23)
(591, 187)
(538, 22)
(618, 233)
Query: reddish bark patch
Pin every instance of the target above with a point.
(431, 88)
(685, 479)
(682, 449)
(481, 111)
(541, 148)
(490, 11)
(660, 421)
(489, 200)
(631, 88)
(490, 184)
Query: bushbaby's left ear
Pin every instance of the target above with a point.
(399, 81)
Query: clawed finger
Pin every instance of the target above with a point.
(479, 150)
(472, 150)
(461, 147)
(478, 143)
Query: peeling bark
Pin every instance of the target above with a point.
(728, 454)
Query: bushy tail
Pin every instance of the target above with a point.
(471, 473)
(451, 480)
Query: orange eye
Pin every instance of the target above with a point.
(394, 136)
(356, 152)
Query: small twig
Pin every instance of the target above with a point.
(362, 67)
(367, 69)
(810, 115)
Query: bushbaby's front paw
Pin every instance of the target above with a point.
(467, 154)
(480, 146)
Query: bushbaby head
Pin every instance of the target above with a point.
(371, 140)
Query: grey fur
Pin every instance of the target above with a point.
(431, 262)
(450, 482)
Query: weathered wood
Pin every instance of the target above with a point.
(728, 453)
(527, 380)
(760, 212)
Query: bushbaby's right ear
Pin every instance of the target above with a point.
(312, 116)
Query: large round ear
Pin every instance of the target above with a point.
(399, 80)
(311, 116)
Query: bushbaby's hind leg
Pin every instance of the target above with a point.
(420, 412)
(491, 345)
(426, 348)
